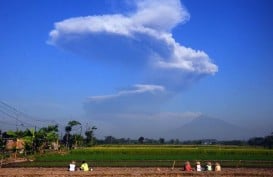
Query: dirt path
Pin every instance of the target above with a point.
(129, 172)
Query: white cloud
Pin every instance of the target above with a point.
(140, 98)
(137, 89)
(187, 59)
(116, 24)
(148, 19)
(149, 25)
(150, 14)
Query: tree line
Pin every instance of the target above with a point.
(48, 138)
(266, 141)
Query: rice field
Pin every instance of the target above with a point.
(159, 155)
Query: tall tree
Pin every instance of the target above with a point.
(73, 123)
(268, 141)
(68, 139)
(161, 140)
(141, 140)
(90, 135)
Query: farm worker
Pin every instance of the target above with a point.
(198, 166)
(187, 166)
(217, 167)
(84, 166)
(208, 166)
(72, 166)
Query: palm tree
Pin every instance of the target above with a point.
(73, 123)
(68, 129)
(90, 135)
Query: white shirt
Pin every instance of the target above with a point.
(72, 167)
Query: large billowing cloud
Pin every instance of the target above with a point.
(141, 40)
(143, 37)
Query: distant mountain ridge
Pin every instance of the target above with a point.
(210, 128)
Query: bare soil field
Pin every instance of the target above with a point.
(129, 172)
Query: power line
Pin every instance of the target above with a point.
(17, 115)
(12, 110)
(23, 119)
(16, 118)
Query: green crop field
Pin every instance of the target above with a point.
(159, 155)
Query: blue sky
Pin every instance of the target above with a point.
(121, 65)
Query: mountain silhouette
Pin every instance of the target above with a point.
(210, 128)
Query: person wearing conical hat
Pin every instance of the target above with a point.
(217, 167)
